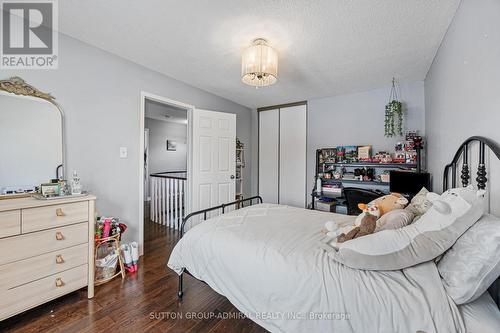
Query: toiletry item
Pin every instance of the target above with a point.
(127, 257)
(135, 254)
(76, 186)
(107, 228)
(318, 185)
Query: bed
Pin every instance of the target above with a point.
(265, 259)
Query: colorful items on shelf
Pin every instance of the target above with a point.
(364, 174)
(365, 153)
(406, 152)
(382, 157)
(347, 154)
(108, 226)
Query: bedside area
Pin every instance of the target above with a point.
(47, 250)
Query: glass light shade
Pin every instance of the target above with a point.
(259, 64)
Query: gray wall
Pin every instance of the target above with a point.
(462, 88)
(160, 159)
(358, 119)
(100, 94)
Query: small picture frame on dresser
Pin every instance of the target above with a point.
(50, 190)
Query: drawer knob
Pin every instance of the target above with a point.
(59, 235)
(59, 259)
(59, 212)
(59, 282)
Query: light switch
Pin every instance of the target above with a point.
(123, 152)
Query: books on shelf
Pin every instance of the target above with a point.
(332, 189)
(325, 206)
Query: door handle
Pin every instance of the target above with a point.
(232, 177)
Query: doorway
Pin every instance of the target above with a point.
(164, 167)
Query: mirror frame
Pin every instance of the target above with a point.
(17, 86)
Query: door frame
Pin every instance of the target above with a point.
(142, 114)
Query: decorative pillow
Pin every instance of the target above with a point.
(395, 219)
(473, 263)
(419, 204)
(435, 232)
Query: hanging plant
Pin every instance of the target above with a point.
(393, 122)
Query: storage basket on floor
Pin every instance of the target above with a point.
(108, 260)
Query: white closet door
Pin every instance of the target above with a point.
(292, 165)
(268, 155)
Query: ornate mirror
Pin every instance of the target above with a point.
(31, 138)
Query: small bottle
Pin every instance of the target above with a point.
(76, 186)
(107, 228)
(318, 185)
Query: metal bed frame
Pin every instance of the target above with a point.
(465, 176)
(238, 204)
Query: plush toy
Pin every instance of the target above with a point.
(389, 202)
(366, 227)
(366, 222)
(370, 208)
(469, 194)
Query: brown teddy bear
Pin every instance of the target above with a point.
(367, 227)
(366, 223)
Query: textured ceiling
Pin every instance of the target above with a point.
(325, 47)
(164, 112)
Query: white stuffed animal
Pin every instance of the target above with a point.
(466, 193)
(332, 229)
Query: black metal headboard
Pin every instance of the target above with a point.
(481, 179)
(463, 151)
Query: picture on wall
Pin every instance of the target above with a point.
(171, 145)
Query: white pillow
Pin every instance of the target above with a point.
(473, 263)
(435, 232)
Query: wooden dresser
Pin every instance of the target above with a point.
(46, 250)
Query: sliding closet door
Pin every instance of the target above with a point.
(268, 155)
(292, 164)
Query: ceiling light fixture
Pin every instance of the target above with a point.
(259, 64)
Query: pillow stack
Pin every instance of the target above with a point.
(431, 235)
(473, 262)
(419, 204)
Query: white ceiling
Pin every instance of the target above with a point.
(164, 112)
(326, 47)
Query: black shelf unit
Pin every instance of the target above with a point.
(355, 182)
(403, 166)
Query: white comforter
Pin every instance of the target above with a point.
(266, 261)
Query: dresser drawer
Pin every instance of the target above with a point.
(37, 243)
(10, 223)
(40, 218)
(19, 299)
(31, 269)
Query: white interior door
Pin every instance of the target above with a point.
(292, 165)
(268, 155)
(213, 158)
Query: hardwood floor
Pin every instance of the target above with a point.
(145, 301)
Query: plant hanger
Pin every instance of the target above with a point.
(393, 123)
